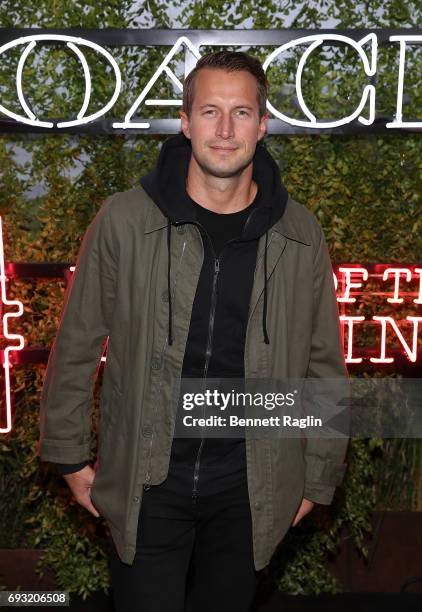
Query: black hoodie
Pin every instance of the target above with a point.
(216, 338)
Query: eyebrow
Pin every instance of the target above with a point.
(237, 106)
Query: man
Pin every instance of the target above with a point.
(207, 269)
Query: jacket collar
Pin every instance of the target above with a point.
(285, 226)
(289, 227)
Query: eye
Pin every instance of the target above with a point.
(243, 113)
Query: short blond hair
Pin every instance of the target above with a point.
(230, 61)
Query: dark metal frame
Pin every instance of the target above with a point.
(156, 37)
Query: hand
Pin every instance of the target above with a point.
(80, 484)
(305, 507)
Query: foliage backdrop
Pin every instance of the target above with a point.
(365, 191)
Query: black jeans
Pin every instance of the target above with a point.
(191, 556)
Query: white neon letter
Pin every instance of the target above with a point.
(72, 42)
(350, 322)
(410, 352)
(396, 272)
(398, 122)
(419, 298)
(368, 92)
(335, 281)
(349, 285)
(163, 67)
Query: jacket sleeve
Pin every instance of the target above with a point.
(74, 360)
(324, 456)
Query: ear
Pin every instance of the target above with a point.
(263, 124)
(185, 124)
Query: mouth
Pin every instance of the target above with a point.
(227, 149)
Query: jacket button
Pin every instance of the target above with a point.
(181, 229)
(136, 499)
(257, 505)
(155, 364)
(165, 296)
(147, 432)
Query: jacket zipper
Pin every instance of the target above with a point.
(208, 351)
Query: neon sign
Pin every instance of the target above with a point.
(410, 352)
(5, 362)
(192, 54)
(348, 272)
(352, 279)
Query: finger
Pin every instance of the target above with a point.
(92, 509)
(84, 500)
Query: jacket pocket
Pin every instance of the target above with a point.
(109, 413)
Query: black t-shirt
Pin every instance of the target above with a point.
(223, 227)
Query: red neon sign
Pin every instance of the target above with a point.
(352, 279)
(5, 362)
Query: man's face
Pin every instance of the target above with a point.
(224, 125)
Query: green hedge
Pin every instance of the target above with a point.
(364, 189)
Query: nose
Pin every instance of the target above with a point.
(225, 127)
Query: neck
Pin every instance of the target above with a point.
(221, 195)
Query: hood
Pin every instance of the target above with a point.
(166, 185)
